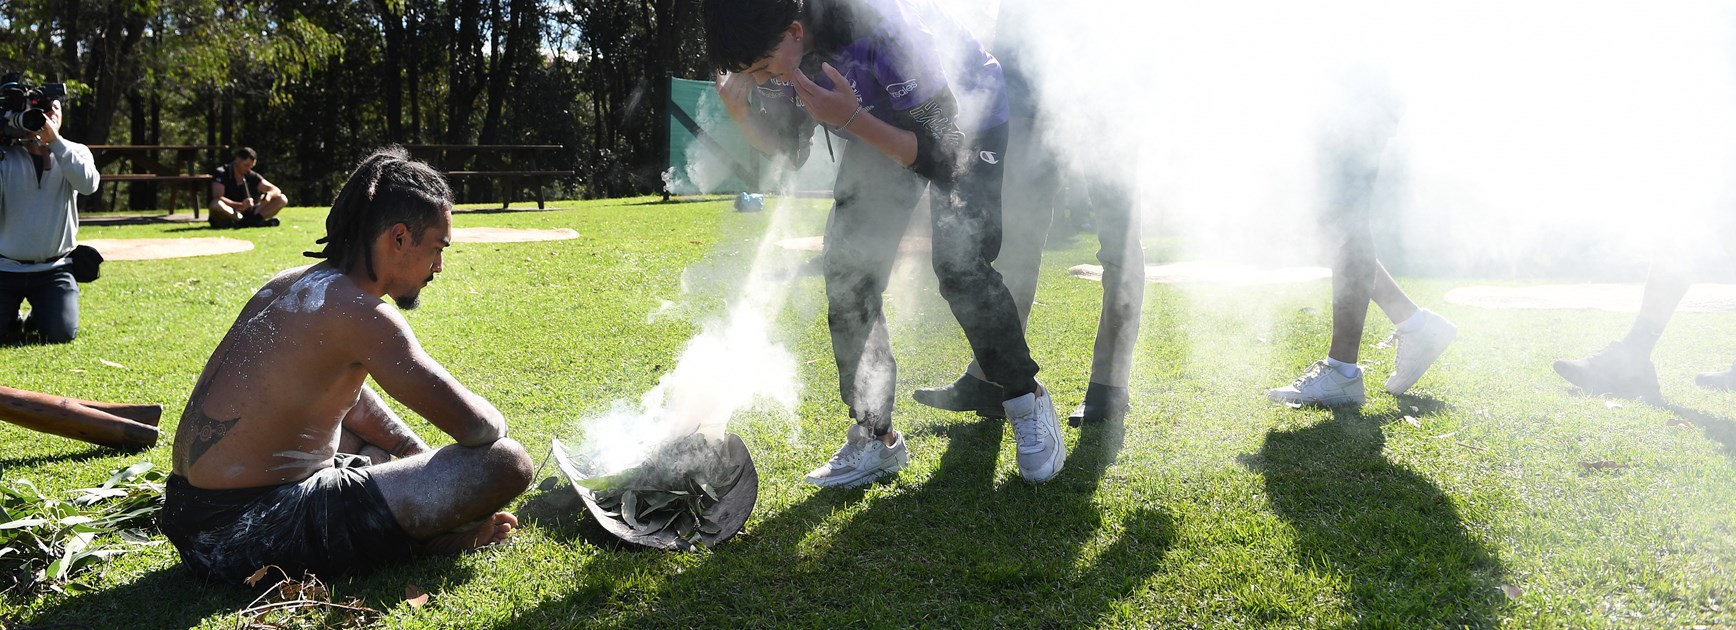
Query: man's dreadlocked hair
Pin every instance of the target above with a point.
(388, 188)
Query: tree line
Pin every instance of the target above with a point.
(315, 85)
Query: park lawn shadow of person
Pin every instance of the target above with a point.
(86, 454)
(173, 597)
(955, 550)
(1390, 534)
(1718, 428)
(120, 606)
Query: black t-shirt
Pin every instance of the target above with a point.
(233, 191)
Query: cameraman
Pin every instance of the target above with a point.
(241, 197)
(40, 173)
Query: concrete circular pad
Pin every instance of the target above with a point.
(154, 248)
(510, 235)
(909, 245)
(1618, 298)
(1214, 273)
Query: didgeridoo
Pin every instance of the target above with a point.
(115, 425)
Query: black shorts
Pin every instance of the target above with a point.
(334, 522)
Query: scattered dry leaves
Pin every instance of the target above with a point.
(1412, 421)
(1513, 592)
(1601, 464)
(112, 364)
(303, 603)
(1610, 404)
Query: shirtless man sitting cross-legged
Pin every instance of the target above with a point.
(286, 457)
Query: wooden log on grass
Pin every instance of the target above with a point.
(115, 425)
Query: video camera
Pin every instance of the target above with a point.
(24, 107)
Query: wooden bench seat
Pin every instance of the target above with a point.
(511, 173)
(172, 165)
(151, 177)
(509, 164)
(194, 186)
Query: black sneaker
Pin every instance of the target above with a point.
(1725, 380)
(1102, 403)
(272, 222)
(250, 218)
(12, 331)
(1615, 370)
(968, 393)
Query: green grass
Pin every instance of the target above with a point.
(1213, 508)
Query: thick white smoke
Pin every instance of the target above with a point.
(1528, 131)
(733, 365)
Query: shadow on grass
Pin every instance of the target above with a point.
(507, 210)
(1391, 536)
(1720, 429)
(174, 597)
(203, 227)
(97, 219)
(680, 200)
(165, 598)
(89, 453)
(956, 550)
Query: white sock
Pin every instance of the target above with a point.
(1414, 322)
(1347, 370)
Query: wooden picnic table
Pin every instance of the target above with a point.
(146, 163)
(506, 163)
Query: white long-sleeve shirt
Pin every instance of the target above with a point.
(39, 216)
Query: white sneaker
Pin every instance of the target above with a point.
(1321, 385)
(1418, 350)
(863, 459)
(1038, 432)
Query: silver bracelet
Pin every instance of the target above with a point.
(852, 119)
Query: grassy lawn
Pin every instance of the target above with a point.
(1212, 507)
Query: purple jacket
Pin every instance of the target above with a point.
(909, 65)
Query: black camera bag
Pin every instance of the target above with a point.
(86, 263)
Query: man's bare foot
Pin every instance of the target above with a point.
(491, 530)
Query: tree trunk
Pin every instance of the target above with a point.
(140, 195)
(413, 72)
(111, 70)
(520, 35)
(461, 77)
(392, 70)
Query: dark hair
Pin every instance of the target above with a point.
(388, 188)
(740, 32)
(245, 153)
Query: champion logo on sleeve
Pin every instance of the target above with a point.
(990, 157)
(898, 90)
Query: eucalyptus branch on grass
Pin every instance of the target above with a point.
(47, 542)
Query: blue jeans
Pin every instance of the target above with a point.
(53, 297)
